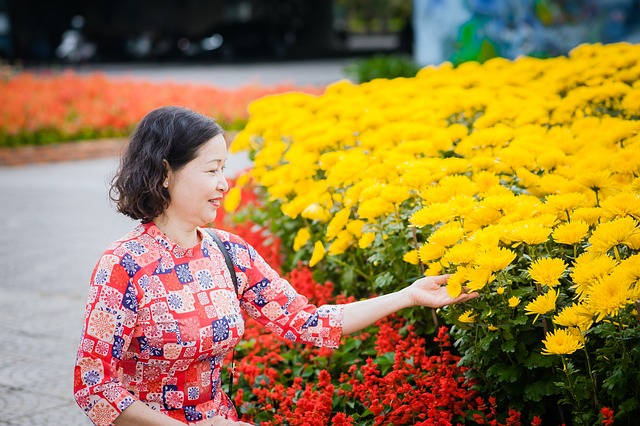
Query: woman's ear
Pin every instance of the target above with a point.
(167, 174)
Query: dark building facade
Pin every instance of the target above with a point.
(41, 31)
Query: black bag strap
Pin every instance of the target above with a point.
(234, 278)
(227, 258)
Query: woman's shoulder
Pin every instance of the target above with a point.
(225, 236)
(133, 243)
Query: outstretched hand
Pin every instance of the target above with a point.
(221, 421)
(432, 292)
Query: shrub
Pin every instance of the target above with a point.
(521, 178)
(384, 375)
(381, 66)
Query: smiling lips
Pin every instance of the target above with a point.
(216, 201)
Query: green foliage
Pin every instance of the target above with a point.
(382, 66)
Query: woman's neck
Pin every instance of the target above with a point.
(183, 235)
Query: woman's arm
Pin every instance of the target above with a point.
(429, 292)
(139, 414)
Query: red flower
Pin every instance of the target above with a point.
(537, 421)
(607, 416)
(341, 419)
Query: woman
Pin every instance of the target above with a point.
(162, 310)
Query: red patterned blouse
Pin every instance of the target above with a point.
(160, 319)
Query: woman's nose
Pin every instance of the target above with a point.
(223, 185)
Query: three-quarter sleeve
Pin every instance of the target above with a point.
(274, 303)
(110, 316)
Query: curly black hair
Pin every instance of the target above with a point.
(170, 133)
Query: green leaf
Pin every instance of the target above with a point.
(383, 280)
(537, 360)
(535, 391)
(385, 362)
(508, 346)
(503, 372)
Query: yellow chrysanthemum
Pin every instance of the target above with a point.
(529, 180)
(571, 232)
(316, 212)
(366, 239)
(371, 191)
(514, 301)
(447, 188)
(355, 227)
(455, 282)
(446, 236)
(578, 315)
(352, 165)
(318, 253)
(547, 271)
(430, 215)
(485, 242)
(467, 317)
(629, 270)
(495, 259)
(542, 304)
(485, 180)
(338, 223)
(232, 199)
(395, 193)
(609, 234)
(352, 194)
(591, 215)
(343, 241)
(374, 208)
(621, 205)
(479, 278)
(596, 180)
(461, 254)
(561, 204)
(529, 233)
(293, 208)
(482, 216)
(555, 184)
(302, 236)
(561, 342)
(431, 251)
(551, 159)
(462, 205)
(433, 269)
(411, 257)
(588, 269)
(607, 296)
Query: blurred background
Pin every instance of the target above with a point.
(41, 32)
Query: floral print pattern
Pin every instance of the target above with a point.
(161, 318)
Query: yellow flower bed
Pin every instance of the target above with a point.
(535, 162)
(538, 148)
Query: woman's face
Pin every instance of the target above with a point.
(197, 189)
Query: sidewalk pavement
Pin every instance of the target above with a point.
(55, 222)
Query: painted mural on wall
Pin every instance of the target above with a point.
(463, 30)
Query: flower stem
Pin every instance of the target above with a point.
(416, 245)
(593, 379)
(570, 385)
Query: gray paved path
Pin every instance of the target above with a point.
(55, 221)
(308, 72)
